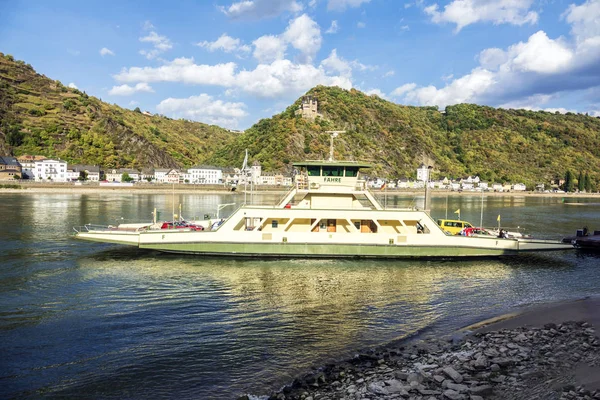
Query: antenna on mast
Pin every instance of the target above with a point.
(333, 134)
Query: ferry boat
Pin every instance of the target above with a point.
(328, 213)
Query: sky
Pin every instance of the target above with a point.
(233, 62)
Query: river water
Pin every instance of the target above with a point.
(79, 319)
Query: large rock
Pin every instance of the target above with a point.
(453, 395)
(451, 372)
(482, 390)
(457, 387)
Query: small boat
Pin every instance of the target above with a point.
(584, 240)
(328, 213)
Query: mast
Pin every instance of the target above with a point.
(333, 134)
(427, 191)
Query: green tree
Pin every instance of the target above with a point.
(15, 137)
(126, 178)
(569, 184)
(82, 176)
(137, 110)
(581, 182)
(588, 183)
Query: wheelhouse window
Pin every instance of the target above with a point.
(314, 171)
(351, 171)
(333, 171)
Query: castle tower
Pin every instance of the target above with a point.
(309, 108)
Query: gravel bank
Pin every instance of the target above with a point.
(542, 353)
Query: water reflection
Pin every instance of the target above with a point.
(99, 320)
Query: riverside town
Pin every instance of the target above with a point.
(39, 169)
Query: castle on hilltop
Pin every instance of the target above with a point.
(309, 108)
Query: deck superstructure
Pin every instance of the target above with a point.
(328, 213)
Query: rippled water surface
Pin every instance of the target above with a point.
(104, 321)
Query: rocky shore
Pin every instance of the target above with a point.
(551, 361)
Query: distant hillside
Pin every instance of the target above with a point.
(42, 116)
(499, 145)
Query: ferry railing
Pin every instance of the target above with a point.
(107, 228)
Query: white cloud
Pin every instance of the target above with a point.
(540, 54)
(181, 70)
(335, 64)
(492, 58)
(147, 26)
(72, 86)
(532, 102)
(363, 67)
(526, 74)
(333, 28)
(461, 90)
(159, 43)
(205, 109)
(284, 78)
(126, 90)
(584, 20)
(304, 35)
(400, 90)
(467, 12)
(225, 43)
(391, 72)
(360, 25)
(257, 9)
(341, 5)
(106, 52)
(280, 78)
(269, 48)
(405, 28)
(376, 92)
(133, 103)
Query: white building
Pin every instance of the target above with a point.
(147, 174)
(28, 165)
(255, 173)
(160, 174)
(113, 175)
(205, 175)
(92, 172)
(53, 170)
(172, 176)
(423, 173)
(72, 174)
(519, 187)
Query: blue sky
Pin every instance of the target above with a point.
(232, 62)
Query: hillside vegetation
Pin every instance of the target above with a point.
(42, 116)
(496, 144)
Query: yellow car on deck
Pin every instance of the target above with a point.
(453, 226)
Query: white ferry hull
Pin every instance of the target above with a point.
(321, 245)
(329, 216)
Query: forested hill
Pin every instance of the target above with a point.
(42, 116)
(496, 144)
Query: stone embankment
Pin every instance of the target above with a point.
(520, 363)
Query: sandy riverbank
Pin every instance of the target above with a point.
(549, 351)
